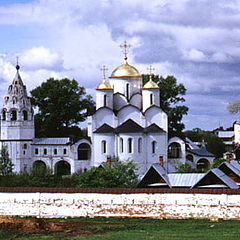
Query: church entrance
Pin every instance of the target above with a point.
(62, 168)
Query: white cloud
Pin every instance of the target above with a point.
(41, 58)
(197, 41)
(196, 55)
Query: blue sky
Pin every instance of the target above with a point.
(196, 41)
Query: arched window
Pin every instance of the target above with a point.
(84, 151)
(4, 115)
(151, 99)
(24, 115)
(202, 165)
(174, 150)
(13, 115)
(24, 146)
(153, 147)
(105, 100)
(139, 145)
(14, 100)
(104, 146)
(121, 145)
(130, 145)
(127, 91)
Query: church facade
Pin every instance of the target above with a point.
(128, 124)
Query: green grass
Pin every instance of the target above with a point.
(142, 229)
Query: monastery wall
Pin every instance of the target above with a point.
(116, 203)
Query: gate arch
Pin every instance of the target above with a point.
(62, 168)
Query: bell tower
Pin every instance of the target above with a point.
(17, 123)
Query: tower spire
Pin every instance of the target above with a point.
(125, 48)
(17, 66)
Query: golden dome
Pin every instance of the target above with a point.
(104, 85)
(150, 84)
(125, 70)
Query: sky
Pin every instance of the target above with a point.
(197, 41)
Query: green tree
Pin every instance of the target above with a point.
(217, 162)
(61, 105)
(120, 174)
(213, 143)
(234, 107)
(6, 165)
(171, 95)
(184, 168)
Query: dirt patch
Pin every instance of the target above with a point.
(38, 225)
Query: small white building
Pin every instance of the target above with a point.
(186, 151)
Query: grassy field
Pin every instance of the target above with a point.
(133, 229)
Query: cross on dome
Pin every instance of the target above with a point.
(104, 69)
(151, 69)
(150, 83)
(104, 84)
(125, 47)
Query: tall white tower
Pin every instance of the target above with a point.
(17, 124)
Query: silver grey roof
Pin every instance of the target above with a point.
(191, 144)
(51, 141)
(184, 179)
(236, 164)
(225, 134)
(201, 152)
(222, 176)
(232, 167)
(162, 172)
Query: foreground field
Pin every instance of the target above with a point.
(117, 229)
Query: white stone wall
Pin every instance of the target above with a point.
(158, 205)
(100, 98)
(146, 98)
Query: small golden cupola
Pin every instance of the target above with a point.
(150, 93)
(150, 84)
(104, 85)
(125, 70)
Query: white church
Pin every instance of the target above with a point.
(128, 124)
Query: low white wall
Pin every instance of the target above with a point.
(48, 205)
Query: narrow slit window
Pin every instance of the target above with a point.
(105, 100)
(151, 99)
(127, 91)
(104, 147)
(139, 145)
(121, 145)
(154, 147)
(130, 145)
